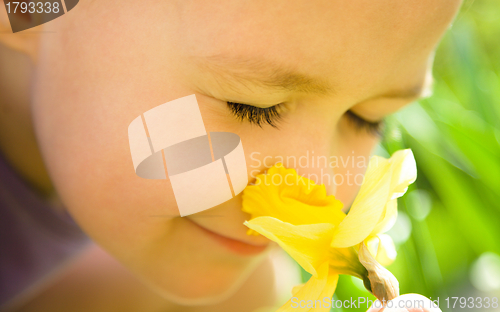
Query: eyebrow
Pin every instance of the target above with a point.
(262, 73)
(270, 75)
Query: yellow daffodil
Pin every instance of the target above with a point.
(309, 225)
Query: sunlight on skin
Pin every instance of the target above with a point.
(84, 85)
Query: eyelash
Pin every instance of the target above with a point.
(271, 116)
(256, 115)
(372, 127)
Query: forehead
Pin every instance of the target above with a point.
(351, 44)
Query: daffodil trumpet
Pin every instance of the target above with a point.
(311, 227)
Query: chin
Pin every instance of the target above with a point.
(191, 268)
(205, 288)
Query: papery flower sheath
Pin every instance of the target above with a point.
(310, 226)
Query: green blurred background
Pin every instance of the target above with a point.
(448, 229)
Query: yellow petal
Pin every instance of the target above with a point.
(307, 244)
(346, 261)
(316, 289)
(388, 218)
(382, 248)
(404, 173)
(367, 207)
(374, 209)
(386, 250)
(284, 195)
(297, 288)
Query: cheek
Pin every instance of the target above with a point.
(82, 131)
(86, 93)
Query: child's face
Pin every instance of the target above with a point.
(108, 61)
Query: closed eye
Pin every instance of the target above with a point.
(256, 115)
(372, 127)
(271, 116)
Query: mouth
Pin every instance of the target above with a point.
(233, 245)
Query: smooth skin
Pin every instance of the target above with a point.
(71, 87)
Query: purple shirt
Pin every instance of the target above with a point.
(35, 239)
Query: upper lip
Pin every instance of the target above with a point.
(229, 237)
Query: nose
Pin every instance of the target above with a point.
(325, 150)
(314, 164)
(310, 150)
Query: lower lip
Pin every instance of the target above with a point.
(233, 245)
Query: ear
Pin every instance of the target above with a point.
(24, 42)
